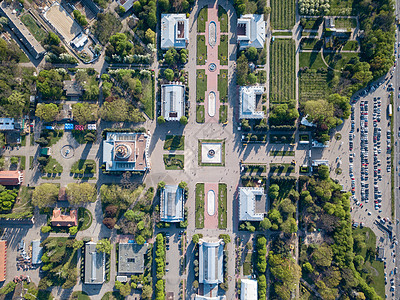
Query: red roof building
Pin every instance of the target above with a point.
(11, 177)
(3, 260)
(59, 219)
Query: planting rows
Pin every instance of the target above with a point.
(313, 86)
(282, 72)
(283, 14)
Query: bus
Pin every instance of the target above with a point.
(390, 110)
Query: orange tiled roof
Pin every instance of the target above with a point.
(3, 259)
(59, 219)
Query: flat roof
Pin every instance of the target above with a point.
(248, 102)
(172, 101)
(131, 258)
(94, 264)
(248, 196)
(37, 252)
(210, 261)
(248, 289)
(23, 30)
(174, 31)
(3, 260)
(171, 208)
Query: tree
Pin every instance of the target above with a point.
(265, 224)
(251, 53)
(160, 120)
(8, 288)
(161, 185)
(81, 19)
(251, 79)
(150, 36)
(45, 229)
(104, 246)
(81, 193)
(77, 245)
(84, 112)
(47, 112)
(195, 238)
(308, 267)
(73, 230)
(182, 185)
(169, 74)
(287, 206)
(164, 5)
(109, 222)
(119, 44)
(171, 57)
(242, 70)
(121, 10)
(16, 104)
(323, 172)
(183, 120)
(119, 110)
(45, 195)
(147, 290)
(273, 191)
(289, 226)
(124, 289)
(14, 160)
(52, 39)
(322, 256)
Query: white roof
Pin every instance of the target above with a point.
(7, 124)
(174, 31)
(210, 261)
(248, 102)
(127, 4)
(80, 40)
(248, 289)
(247, 204)
(173, 101)
(199, 297)
(171, 208)
(254, 31)
(305, 122)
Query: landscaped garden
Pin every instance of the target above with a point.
(174, 142)
(223, 50)
(202, 19)
(314, 84)
(281, 138)
(84, 166)
(283, 14)
(50, 165)
(311, 44)
(312, 60)
(174, 161)
(223, 113)
(199, 199)
(223, 19)
(200, 113)
(282, 73)
(201, 85)
(281, 153)
(281, 168)
(201, 50)
(223, 85)
(222, 206)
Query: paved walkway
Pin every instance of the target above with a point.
(211, 221)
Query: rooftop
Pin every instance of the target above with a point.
(127, 4)
(37, 252)
(72, 88)
(126, 151)
(11, 177)
(249, 96)
(248, 289)
(131, 258)
(210, 261)
(171, 208)
(94, 264)
(248, 197)
(174, 31)
(251, 31)
(173, 101)
(33, 46)
(68, 220)
(7, 124)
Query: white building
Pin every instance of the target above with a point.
(174, 31)
(251, 31)
(126, 151)
(79, 41)
(211, 254)
(171, 207)
(172, 101)
(248, 97)
(248, 289)
(95, 265)
(127, 4)
(248, 196)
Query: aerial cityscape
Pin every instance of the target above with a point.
(183, 149)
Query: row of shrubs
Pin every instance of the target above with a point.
(160, 267)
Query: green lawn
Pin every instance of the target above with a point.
(312, 24)
(23, 140)
(281, 153)
(201, 50)
(282, 70)
(23, 208)
(31, 159)
(53, 166)
(223, 113)
(174, 161)
(312, 60)
(281, 138)
(22, 162)
(79, 135)
(201, 85)
(199, 199)
(38, 32)
(200, 114)
(223, 19)
(78, 295)
(350, 46)
(223, 50)
(282, 33)
(314, 85)
(202, 19)
(345, 23)
(374, 267)
(282, 14)
(174, 142)
(148, 97)
(311, 44)
(87, 217)
(84, 166)
(223, 85)
(113, 296)
(338, 60)
(222, 206)
(261, 76)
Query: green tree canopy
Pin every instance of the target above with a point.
(81, 193)
(47, 112)
(104, 245)
(45, 195)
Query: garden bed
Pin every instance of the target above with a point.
(201, 50)
(174, 142)
(84, 166)
(281, 138)
(281, 168)
(281, 153)
(223, 113)
(223, 50)
(199, 198)
(201, 85)
(222, 206)
(174, 161)
(200, 113)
